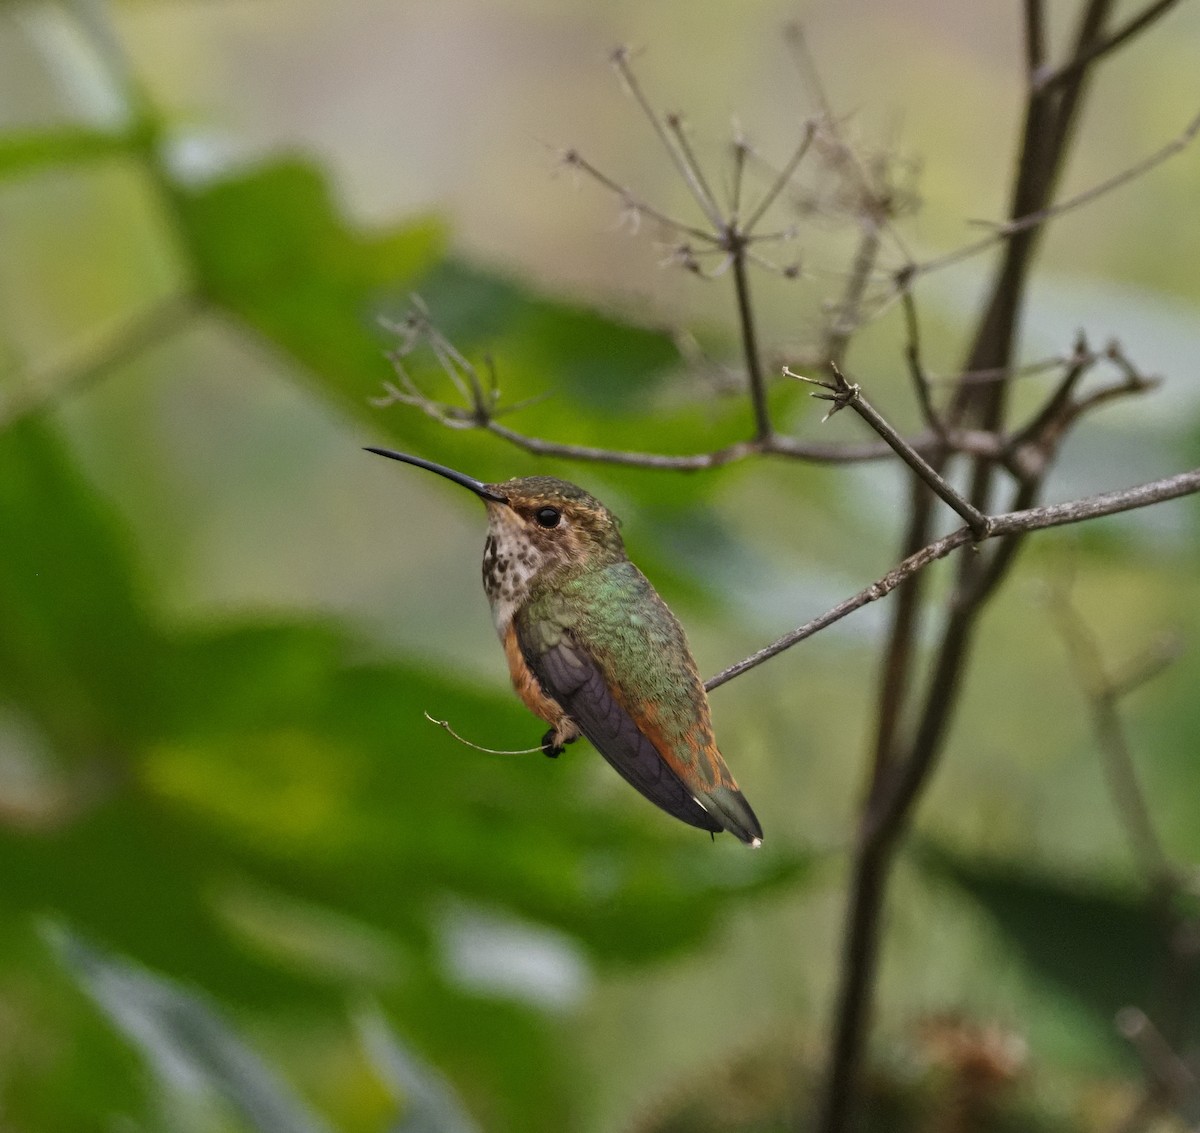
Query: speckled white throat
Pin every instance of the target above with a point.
(510, 562)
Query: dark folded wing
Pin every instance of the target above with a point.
(572, 678)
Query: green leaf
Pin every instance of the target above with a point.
(184, 1040)
(69, 1072)
(596, 363)
(1104, 945)
(270, 247)
(141, 881)
(302, 757)
(76, 642)
(427, 1103)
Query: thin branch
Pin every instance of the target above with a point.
(970, 442)
(1033, 447)
(754, 368)
(483, 409)
(774, 445)
(843, 395)
(1035, 219)
(1160, 1060)
(806, 66)
(738, 177)
(1103, 693)
(896, 670)
(1008, 523)
(781, 182)
(1064, 103)
(846, 318)
(1035, 37)
(1176, 145)
(881, 588)
(1085, 58)
(1001, 373)
(877, 202)
(687, 170)
(977, 587)
(575, 160)
(916, 368)
(1053, 417)
(675, 124)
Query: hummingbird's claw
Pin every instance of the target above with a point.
(554, 750)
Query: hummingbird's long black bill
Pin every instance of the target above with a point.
(476, 486)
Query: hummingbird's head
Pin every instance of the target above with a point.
(558, 520)
(538, 521)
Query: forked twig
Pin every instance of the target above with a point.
(1009, 523)
(1104, 692)
(843, 394)
(1133, 26)
(684, 164)
(1007, 230)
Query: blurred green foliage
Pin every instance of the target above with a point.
(194, 766)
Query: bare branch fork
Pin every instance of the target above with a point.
(1009, 523)
(1033, 220)
(842, 395)
(483, 407)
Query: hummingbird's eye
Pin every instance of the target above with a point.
(547, 516)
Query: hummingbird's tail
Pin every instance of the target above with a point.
(729, 807)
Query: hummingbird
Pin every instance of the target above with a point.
(594, 651)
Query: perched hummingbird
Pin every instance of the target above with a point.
(593, 650)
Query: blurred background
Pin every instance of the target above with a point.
(246, 884)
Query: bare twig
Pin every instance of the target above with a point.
(1001, 373)
(780, 183)
(1160, 1060)
(575, 160)
(916, 368)
(969, 442)
(754, 367)
(1033, 447)
(843, 394)
(1104, 694)
(675, 124)
(847, 311)
(877, 201)
(1035, 37)
(483, 409)
(681, 159)
(1083, 59)
(727, 235)
(1040, 216)
(1009, 523)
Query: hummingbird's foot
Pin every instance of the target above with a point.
(555, 741)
